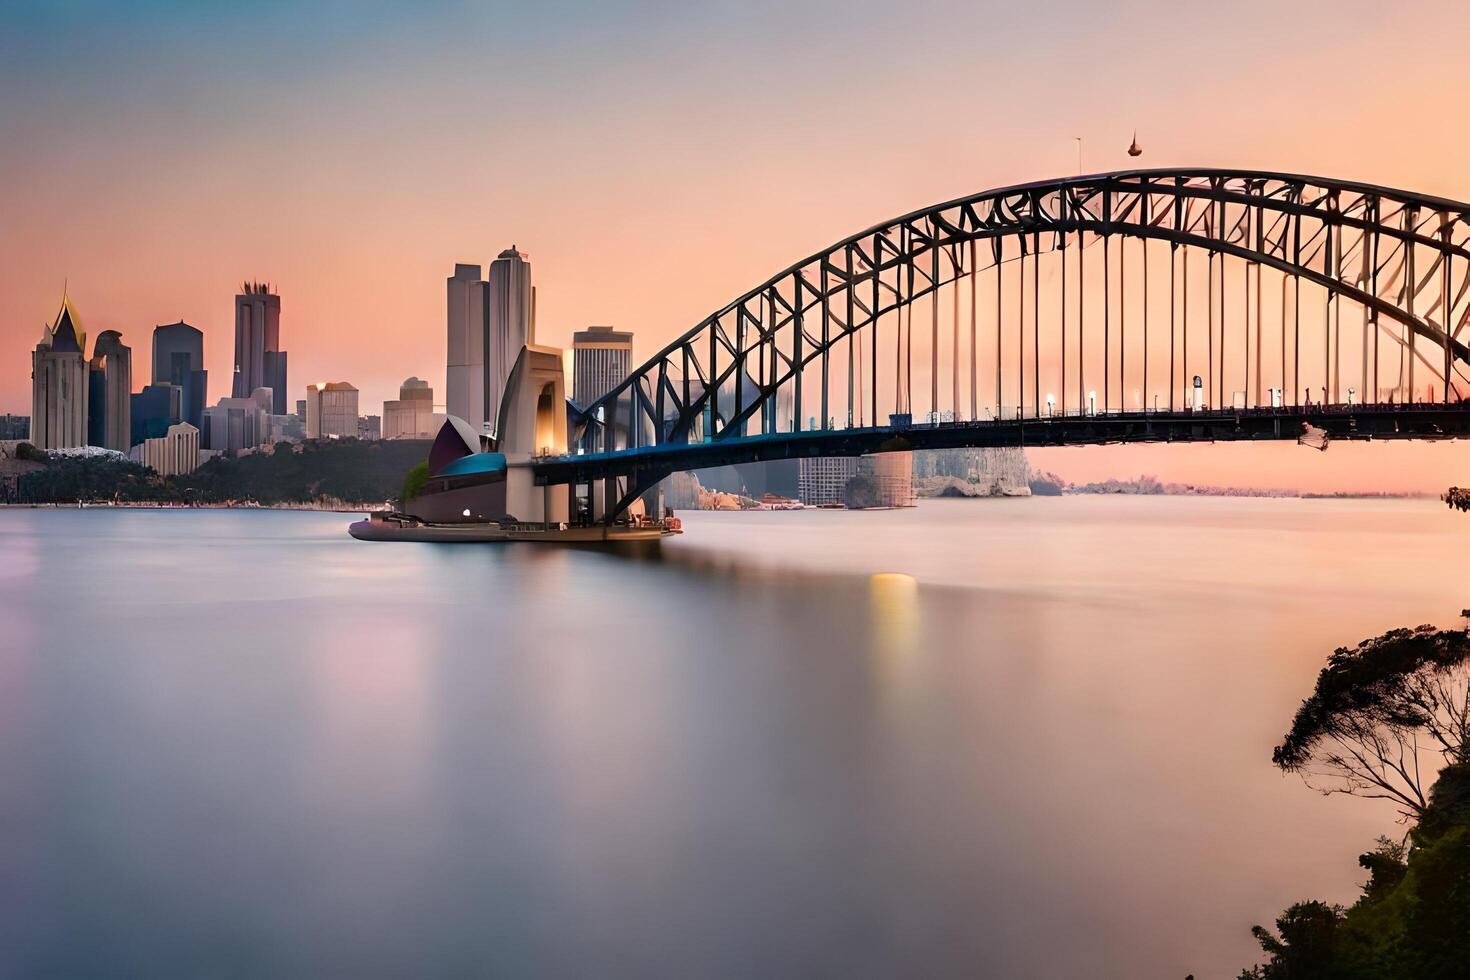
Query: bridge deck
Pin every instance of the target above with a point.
(1422, 421)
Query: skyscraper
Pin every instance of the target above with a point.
(259, 360)
(601, 357)
(59, 383)
(510, 323)
(178, 359)
(465, 367)
(331, 410)
(109, 393)
(489, 322)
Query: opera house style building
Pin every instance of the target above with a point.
(476, 479)
(464, 483)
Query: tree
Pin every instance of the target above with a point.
(1306, 947)
(1380, 714)
(1376, 709)
(414, 480)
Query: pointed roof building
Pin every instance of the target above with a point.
(66, 335)
(59, 383)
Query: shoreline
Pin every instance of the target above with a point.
(340, 508)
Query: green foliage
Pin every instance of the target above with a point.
(1413, 920)
(414, 480)
(72, 479)
(1305, 948)
(1385, 867)
(1436, 913)
(1372, 677)
(1412, 923)
(29, 452)
(344, 469)
(347, 470)
(1371, 709)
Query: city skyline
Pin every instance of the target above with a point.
(360, 250)
(734, 488)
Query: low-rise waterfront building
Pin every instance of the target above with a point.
(17, 427)
(411, 415)
(173, 454)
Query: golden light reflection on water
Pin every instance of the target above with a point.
(893, 608)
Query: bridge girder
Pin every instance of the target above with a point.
(1379, 249)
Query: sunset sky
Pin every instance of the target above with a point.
(654, 159)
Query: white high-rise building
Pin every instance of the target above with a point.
(601, 359)
(510, 323)
(465, 368)
(488, 323)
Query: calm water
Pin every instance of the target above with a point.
(995, 738)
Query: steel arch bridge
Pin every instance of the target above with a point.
(1159, 305)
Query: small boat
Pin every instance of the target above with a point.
(391, 526)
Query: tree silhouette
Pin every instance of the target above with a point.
(1380, 715)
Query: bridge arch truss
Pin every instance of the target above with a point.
(1078, 297)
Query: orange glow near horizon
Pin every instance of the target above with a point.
(651, 166)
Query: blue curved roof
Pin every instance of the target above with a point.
(474, 464)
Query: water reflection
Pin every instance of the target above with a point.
(893, 608)
(783, 743)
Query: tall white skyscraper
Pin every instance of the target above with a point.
(489, 322)
(465, 369)
(601, 359)
(510, 323)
